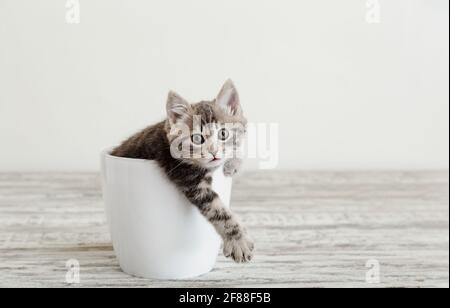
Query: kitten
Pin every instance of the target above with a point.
(189, 145)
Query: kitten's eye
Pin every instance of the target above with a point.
(197, 139)
(223, 134)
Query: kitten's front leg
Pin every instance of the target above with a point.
(236, 242)
(232, 166)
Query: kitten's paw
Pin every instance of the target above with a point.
(240, 250)
(231, 167)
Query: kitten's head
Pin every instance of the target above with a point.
(206, 133)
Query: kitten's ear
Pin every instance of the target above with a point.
(176, 107)
(228, 98)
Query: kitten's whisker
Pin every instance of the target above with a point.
(173, 169)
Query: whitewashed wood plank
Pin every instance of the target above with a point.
(312, 229)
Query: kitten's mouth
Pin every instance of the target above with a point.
(215, 159)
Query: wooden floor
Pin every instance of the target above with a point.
(316, 229)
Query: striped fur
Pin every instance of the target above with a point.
(192, 176)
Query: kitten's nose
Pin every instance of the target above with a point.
(213, 149)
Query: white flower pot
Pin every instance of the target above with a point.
(156, 232)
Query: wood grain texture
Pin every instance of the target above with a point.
(312, 229)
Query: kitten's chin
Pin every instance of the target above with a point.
(206, 164)
(213, 164)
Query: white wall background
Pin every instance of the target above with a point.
(347, 94)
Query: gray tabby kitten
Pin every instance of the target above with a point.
(189, 146)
